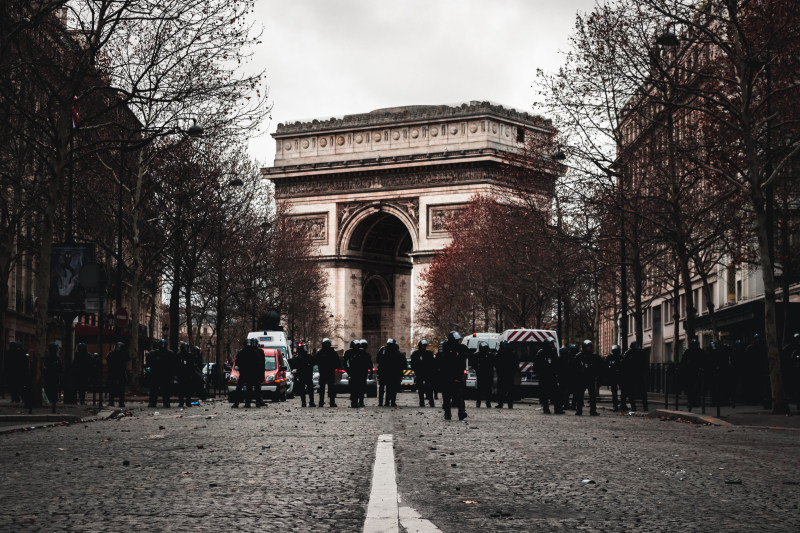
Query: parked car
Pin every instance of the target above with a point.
(274, 383)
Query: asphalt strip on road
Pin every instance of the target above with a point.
(384, 513)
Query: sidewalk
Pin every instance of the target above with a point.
(16, 417)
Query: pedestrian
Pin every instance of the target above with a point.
(357, 368)
(721, 359)
(545, 365)
(117, 364)
(614, 377)
(791, 365)
(422, 363)
(586, 367)
(328, 364)
(304, 377)
(482, 362)
(507, 367)
(51, 374)
(186, 375)
(451, 362)
(636, 375)
(758, 364)
(162, 373)
(693, 365)
(82, 371)
(16, 371)
(393, 363)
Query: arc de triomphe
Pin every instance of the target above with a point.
(375, 191)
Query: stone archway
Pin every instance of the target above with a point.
(377, 245)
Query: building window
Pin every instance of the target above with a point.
(712, 288)
(667, 312)
(520, 134)
(682, 305)
(696, 299)
(738, 290)
(648, 318)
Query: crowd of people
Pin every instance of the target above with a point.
(730, 373)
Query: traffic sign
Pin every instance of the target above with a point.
(121, 317)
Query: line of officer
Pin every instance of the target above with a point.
(614, 378)
(507, 368)
(83, 371)
(391, 363)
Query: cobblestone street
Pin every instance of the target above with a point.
(286, 468)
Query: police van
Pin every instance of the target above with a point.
(526, 343)
(278, 341)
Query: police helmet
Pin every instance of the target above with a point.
(354, 343)
(118, 346)
(81, 347)
(587, 345)
(423, 344)
(757, 337)
(162, 343)
(797, 337)
(483, 346)
(694, 342)
(573, 347)
(363, 343)
(635, 345)
(301, 349)
(391, 342)
(617, 350)
(326, 342)
(454, 336)
(250, 342)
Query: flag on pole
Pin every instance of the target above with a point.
(76, 118)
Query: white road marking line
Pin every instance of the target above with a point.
(382, 513)
(413, 522)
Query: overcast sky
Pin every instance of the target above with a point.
(328, 58)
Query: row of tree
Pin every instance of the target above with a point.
(679, 121)
(125, 127)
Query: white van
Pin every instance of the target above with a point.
(277, 340)
(526, 343)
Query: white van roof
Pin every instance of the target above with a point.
(273, 337)
(529, 335)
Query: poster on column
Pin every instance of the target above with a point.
(66, 293)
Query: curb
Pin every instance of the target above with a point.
(29, 422)
(690, 417)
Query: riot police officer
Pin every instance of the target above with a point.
(162, 373)
(357, 364)
(451, 363)
(636, 367)
(51, 374)
(187, 368)
(394, 364)
(507, 367)
(328, 363)
(586, 367)
(545, 366)
(614, 377)
(16, 371)
(693, 365)
(117, 361)
(304, 378)
(422, 365)
(250, 361)
(484, 373)
(82, 370)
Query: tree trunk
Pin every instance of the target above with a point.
(779, 402)
(686, 276)
(676, 317)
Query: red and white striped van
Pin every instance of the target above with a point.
(526, 343)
